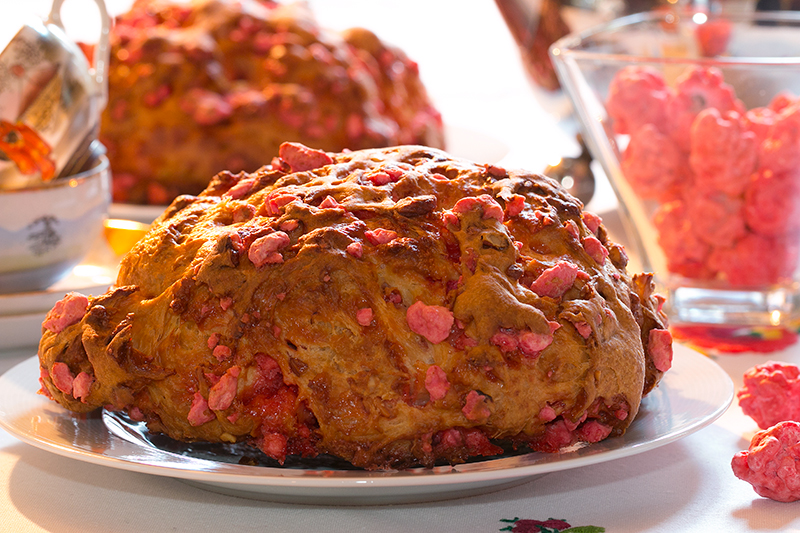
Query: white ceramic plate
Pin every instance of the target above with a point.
(140, 213)
(21, 314)
(691, 396)
(87, 278)
(21, 331)
(461, 142)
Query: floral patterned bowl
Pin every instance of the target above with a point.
(46, 230)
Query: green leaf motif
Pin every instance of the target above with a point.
(584, 529)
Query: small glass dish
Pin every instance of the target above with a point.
(695, 118)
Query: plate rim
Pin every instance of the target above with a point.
(30, 300)
(294, 479)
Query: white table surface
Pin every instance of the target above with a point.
(470, 65)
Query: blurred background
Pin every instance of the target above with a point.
(484, 65)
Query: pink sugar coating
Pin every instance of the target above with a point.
(364, 316)
(725, 176)
(659, 346)
(723, 153)
(475, 407)
(696, 89)
(779, 151)
(716, 218)
(654, 164)
(301, 158)
(221, 395)
(771, 393)
(772, 203)
(772, 462)
(556, 280)
(686, 253)
(199, 412)
(637, 96)
(756, 260)
(431, 321)
(436, 383)
(66, 312)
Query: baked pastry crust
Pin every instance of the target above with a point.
(388, 306)
(209, 85)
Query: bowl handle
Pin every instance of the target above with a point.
(101, 52)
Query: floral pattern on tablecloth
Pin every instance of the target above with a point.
(551, 525)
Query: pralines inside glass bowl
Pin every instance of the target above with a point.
(696, 120)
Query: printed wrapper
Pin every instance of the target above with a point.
(48, 106)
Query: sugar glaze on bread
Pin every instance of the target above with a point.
(392, 307)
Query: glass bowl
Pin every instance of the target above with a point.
(46, 230)
(695, 118)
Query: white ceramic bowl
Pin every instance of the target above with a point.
(47, 230)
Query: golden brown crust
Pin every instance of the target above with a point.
(198, 87)
(203, 299)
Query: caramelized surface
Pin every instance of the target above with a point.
(315, 372)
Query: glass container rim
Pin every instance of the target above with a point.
(566, 48)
